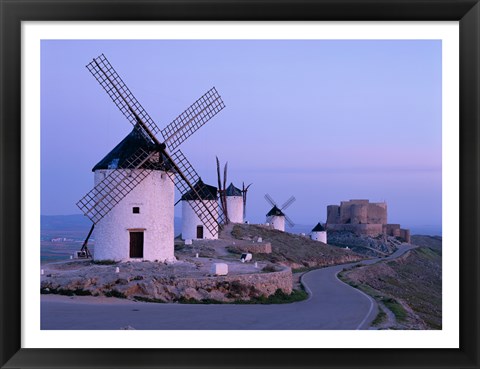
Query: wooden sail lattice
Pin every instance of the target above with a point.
(120, 94)
(281, 209)
(116, 185)
(199, 113)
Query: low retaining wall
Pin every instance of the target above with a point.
(254, 248)
(221, 288)
(170, 289)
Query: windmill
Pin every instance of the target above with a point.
(149, 159)
(319, 233)
(276, 215)
(233, 201)
(192, 226)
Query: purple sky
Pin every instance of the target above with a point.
(324, 121)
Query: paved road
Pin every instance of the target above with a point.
(331, 305)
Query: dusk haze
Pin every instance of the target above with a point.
(323, 120)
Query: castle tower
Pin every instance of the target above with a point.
(140, 226)
(234, 199)
(192, 227)
(319, 233)
(276, 218)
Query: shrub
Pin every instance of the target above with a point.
(149, 299)
(104, 262)
(269, 268)
(115, 293)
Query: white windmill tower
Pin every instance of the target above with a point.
(276, 216)
(192, 225)
(319, 233)
(234, 200)
(131, 204)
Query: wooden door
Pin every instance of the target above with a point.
(136, 244)
(199, 231)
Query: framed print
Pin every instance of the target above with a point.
(360, 117)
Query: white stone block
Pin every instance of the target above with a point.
(259, 240)
(219, 269)
(188, 241)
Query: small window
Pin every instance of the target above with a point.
(136, 210)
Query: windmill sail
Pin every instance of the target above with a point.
(110, 191)
(189, 180)
(111, 82)
(187, 123)
(278, 212)
(119, 183)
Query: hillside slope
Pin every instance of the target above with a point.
(408, 289)
(291, 249)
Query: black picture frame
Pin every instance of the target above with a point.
(12, 13)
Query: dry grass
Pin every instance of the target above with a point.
(410, 287)
(294, 250)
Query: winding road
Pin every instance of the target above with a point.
(331, 305)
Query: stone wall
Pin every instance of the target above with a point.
(234, 287)
(365, 229)
(377, 213)
(152, 286)
(391, 230)
(405, 234)
(254, 248)
(333, 214)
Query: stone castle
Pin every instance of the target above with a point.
(363, 217)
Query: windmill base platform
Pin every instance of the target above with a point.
(160, 282)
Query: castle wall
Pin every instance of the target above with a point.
(392, 230)
(333, 214)
(405, 234)
(154, 197)
(235, 208)
(377, 213)
(359, 214)
(190, 220)
(366, 229)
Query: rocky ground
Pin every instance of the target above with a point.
(369, 246)
(184, 280)
(408, 290)
(190, 277)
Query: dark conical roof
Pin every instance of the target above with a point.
(117, 158)
(205, 192)
(233, 191)
(275, 212)
(318, 228)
